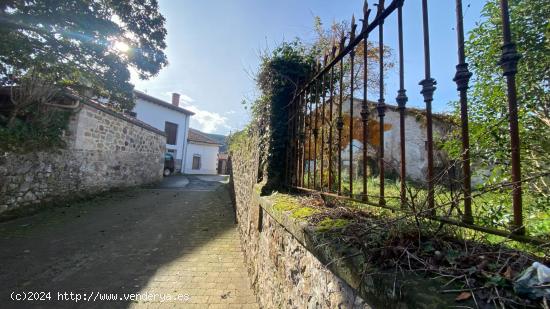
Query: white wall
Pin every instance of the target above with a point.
(416, 156)
(209, 158)
(156, 116)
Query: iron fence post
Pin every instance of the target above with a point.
(340, 121)
(401, 102)
(381, 106)
(316, 131)
(331, 136)
(364, 105)
(309, 126)
(302, 139)
(352, 57)
(323, 126)
(462, 79)
(509, 62)
(428, 89)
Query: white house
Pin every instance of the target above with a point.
(167, 117)
(202, 153)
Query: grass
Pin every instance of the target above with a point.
(490, 209)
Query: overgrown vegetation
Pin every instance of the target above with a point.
(280, 75)
(408, 241)
(42, 129)
(490, 209)
(29, 119)
(488, 109)
(389, 242)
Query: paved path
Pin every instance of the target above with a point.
(177, 241)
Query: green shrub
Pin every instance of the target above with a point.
(39, 130)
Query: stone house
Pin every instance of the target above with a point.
(415, 139)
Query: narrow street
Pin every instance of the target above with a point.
(171, 246)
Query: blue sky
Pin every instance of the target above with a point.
(213, 49)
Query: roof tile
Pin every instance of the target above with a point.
(200, 137)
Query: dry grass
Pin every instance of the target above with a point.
(398, 243)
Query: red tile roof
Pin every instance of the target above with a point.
(200, 137)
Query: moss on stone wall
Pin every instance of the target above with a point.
(325, 239)
(329, 224)
(303, 212)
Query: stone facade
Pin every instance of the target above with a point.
(105, 150)
(415, 140)
(283, 272)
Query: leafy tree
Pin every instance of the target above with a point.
(73, 43)
(488, 109)
(326, 38)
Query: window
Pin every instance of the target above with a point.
(171, 130)
(196, 162)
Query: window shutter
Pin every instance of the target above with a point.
(171, 130)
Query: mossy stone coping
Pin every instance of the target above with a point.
(381, 289)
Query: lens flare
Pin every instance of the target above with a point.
(121, 46)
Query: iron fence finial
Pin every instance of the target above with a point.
(380, 8)
(366, 9)
(342, 41)
(334, 47)
(366, 13)
(353, 27)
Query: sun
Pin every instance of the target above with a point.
(121, 46)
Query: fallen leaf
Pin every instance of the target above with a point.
(463, 296)
(508, 273)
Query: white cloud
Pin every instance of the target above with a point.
(231, 112)
(206, 121)
(203, 120)
(183, 97)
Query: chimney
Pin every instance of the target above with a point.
(176, 99)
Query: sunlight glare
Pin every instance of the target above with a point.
(121, 46)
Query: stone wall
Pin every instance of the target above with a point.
(293, 263)
(105, 150)
(284, 274)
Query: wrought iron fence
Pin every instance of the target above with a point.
(319, 136)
